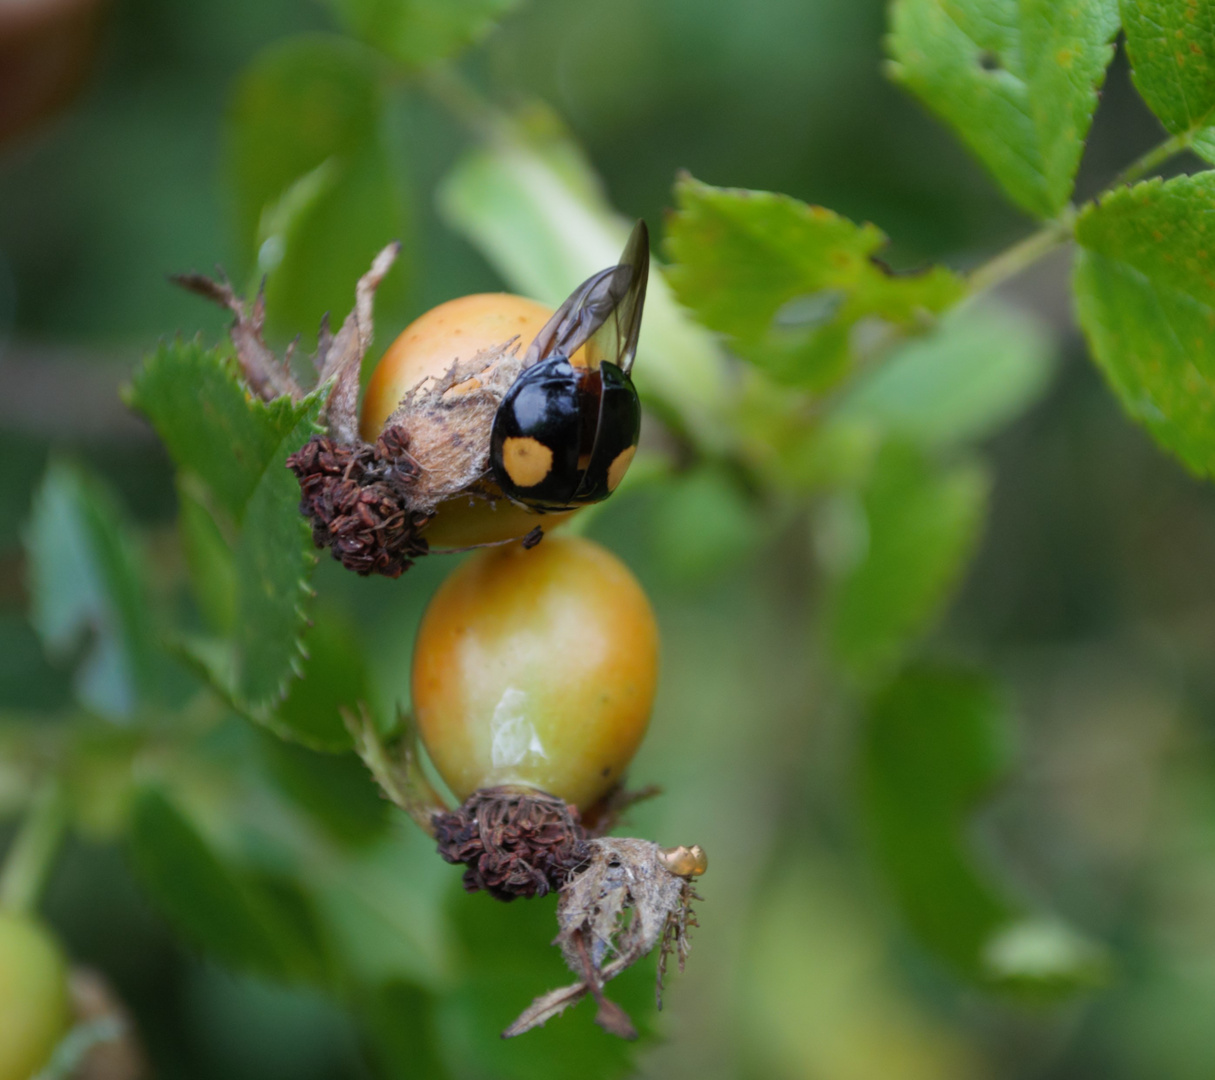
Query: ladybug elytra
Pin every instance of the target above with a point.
(564, 435)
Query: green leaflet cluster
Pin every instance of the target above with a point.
(1018, 80)
(800, 295)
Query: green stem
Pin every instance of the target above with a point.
(32, 853)
(1011, 261)
(1152, 160)
(465, 103)
(1053, 234)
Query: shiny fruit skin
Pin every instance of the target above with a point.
(458, 329)
(427, 347)
(34, 1008)
(536, 668)
(465, 522)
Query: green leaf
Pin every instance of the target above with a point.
(236, 446)
(274, 560)
(421, 32)
(384, 907)
(335, 678)
(211, 425)
(209, 558)
(530, 202)
(87, 589)
(1171, 46)
(934, 746)
(825, 996)
(1145, 297)
(979, 370)
(899, 550)
(265, 1030)
(791, 285)
(316, 192)
(400, 1022)
(333, 789)
(1017, 80)
(245, 925)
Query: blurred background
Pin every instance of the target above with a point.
(1090, 598)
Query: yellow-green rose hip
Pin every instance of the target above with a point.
(536, 668)
(34, 1006)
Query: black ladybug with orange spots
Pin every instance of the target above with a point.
(565, 434)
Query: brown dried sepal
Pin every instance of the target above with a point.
(450, 420)
(623, 904)
(512, 842)
(356, 497)
(338, 357)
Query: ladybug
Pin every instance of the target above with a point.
(564, 435)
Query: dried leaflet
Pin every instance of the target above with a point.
(611, 914)
(450, 420)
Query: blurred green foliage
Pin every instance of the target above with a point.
(935, 745)
(88, 591)
(937, 682)
(316, 185)
(902, 541)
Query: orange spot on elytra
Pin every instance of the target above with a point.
(526, 460)
(619, 466)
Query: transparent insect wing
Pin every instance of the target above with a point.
(605, 310)
(616, 340)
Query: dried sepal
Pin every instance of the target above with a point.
(619, 908)
(450, 420)
(619, 898)
(675, 939)
(267, 375)
(397, 769)
(340, 358)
